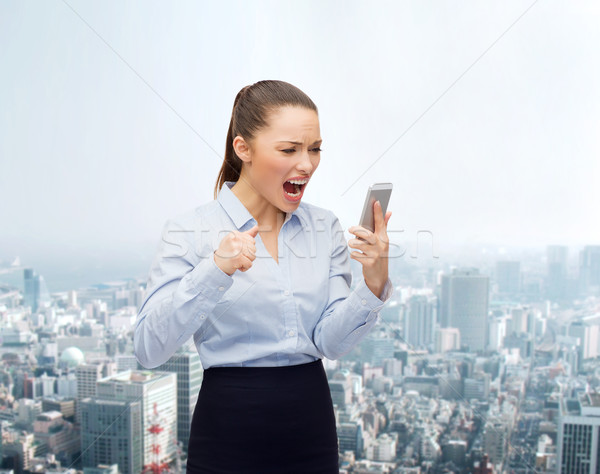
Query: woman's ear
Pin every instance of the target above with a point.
(242, 150)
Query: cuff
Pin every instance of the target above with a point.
(209, 280)
(372, 300)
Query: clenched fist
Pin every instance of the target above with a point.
(237, 251)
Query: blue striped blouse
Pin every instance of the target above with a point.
(287, 313)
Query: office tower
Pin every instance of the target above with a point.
(376, 347)
(477, 387)
(419, 322)
(587, 331)
(464, 305)
(579, 434)
(589, 269)
(508, 277)
(446, 339)
(154, 390)
(340, 387)
(87, 375)
(350, 438)
(36, 293)
(186, 364)
(111, 432)
(556, 276)
(495, 438)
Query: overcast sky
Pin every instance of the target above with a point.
(113, 115)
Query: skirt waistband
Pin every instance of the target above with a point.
(264, 375)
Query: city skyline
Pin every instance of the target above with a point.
(486, 128)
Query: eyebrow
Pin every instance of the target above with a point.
(299, 143)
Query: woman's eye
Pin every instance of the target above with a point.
(316, 150)
(289, 150)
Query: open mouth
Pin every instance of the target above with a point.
(294, 187)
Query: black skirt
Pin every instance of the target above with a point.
(264, 420)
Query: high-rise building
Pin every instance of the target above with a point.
(340, 387)
(186, 364)
(579, 434)
(447, 339)
(350, 438)
(377, 346)
(589, 269)
(508, 277)
(419, 322)
(87, 375)
(556, 276)
(36, 292)
(156, 391)
(464, 305)
(111, 432)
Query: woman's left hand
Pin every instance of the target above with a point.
(374, 249)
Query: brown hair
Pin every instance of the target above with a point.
(251, 109)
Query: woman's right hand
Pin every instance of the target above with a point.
(237, 251)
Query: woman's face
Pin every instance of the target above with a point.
(287, 150)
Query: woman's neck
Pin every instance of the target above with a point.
(262, 210)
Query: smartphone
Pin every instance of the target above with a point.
(377, 192)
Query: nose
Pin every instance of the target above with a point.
(306, 163)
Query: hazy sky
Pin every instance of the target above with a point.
(113, 115)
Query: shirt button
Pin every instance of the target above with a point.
(221, 288)
(291, 332)
(286, 293)
(364, 302)
(202, 316)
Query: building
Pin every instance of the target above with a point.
(556, 272)
(350, 438)
(464, 305)
(87, 375)
(36, 293)
(446, 339)
(186, 364)
(57, 436)
(419, 322)
(579, 434)
(154, 390)
(495, 441)
(111, 433)
(340, 387)
(477, 387)
(376, 347)
(589, 269)
(508, 277)
(65, 406)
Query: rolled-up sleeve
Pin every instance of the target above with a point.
(349, 314)
(178, 298)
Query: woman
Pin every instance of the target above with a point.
(261, 280)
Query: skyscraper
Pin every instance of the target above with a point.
(149, 388)
(36, 292)
(111, 432)
(186, 364)
(87, 375)
(556, 277)
(464, 305)
(579, 434)
(508, 277)
(376, 347)
(419, 321)
(589, 268)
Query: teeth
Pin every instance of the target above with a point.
(298, 181)
(294, 194)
